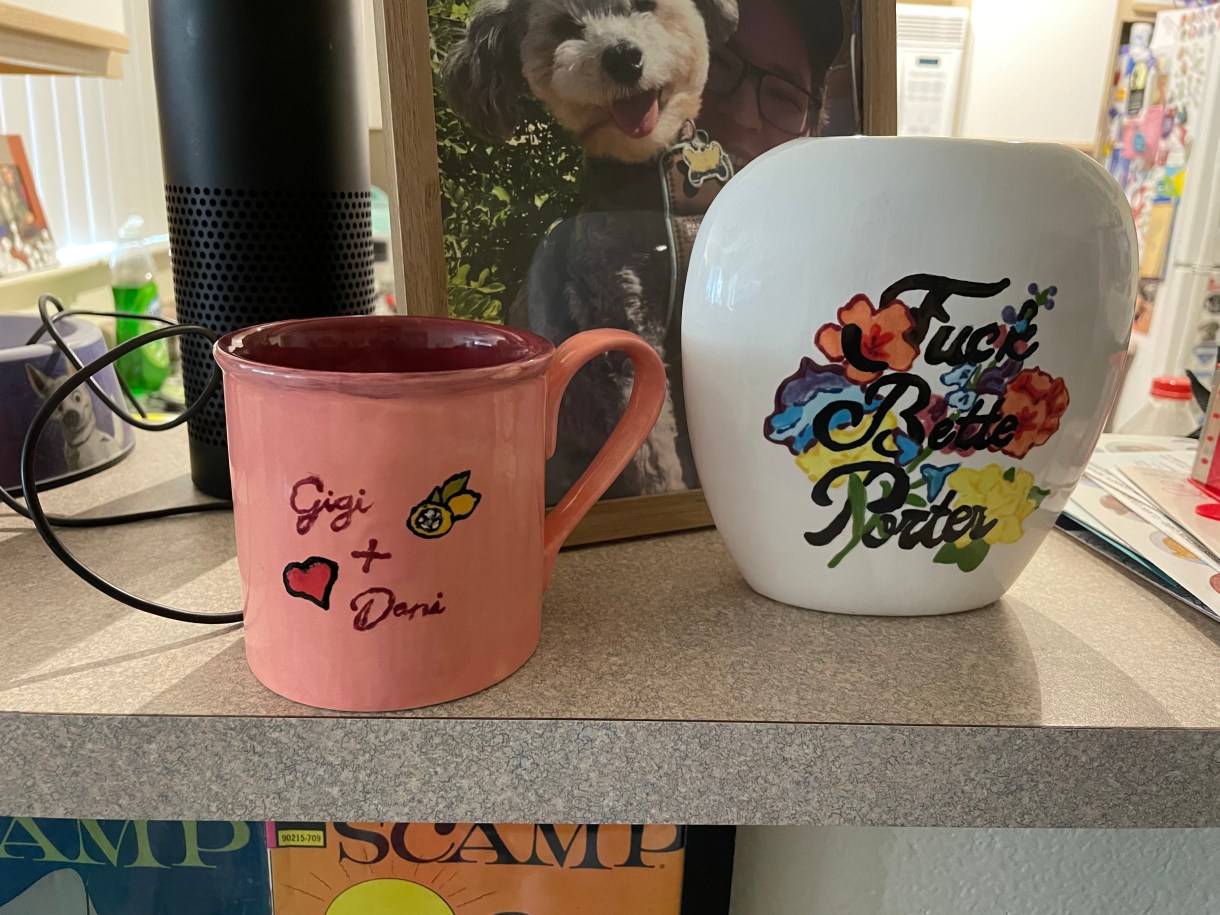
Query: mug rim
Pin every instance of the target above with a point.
(537, 356)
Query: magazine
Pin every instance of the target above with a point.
(475, 869)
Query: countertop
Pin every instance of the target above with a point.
(664, 690)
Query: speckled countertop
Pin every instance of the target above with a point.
(664, 690)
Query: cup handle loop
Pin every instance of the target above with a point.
(647, 397)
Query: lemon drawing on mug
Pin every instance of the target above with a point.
(445, 506)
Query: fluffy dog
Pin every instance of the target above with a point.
(625, 77)
(622, 76)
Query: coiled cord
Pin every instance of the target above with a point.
(45, 524)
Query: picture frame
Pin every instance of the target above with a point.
(418, 248)
(26, 243)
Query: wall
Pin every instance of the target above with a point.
(106, 14)
(846, 870)
(1036, 69)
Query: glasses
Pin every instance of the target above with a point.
(783, 105)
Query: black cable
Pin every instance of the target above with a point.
(10, 499)
(29, 488)
(48, 324)
(71, 312)
(47, 327)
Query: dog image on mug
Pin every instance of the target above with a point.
(663, 101)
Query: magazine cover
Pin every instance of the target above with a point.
(475, 869)
(132, 867)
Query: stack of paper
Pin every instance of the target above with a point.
(1137, 504)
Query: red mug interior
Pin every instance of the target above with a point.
(394, 344)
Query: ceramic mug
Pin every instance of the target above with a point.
(925, 337)
(388, 479)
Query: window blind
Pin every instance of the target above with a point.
(93, 143)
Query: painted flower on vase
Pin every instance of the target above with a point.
(881, 335)
(1004, 494)
(801, 397)
(1007, 498)
(961, 396)
(939, 408)
(936, 410)
(994, 379)
(1038, 402)
(978, 392)
(819, 460)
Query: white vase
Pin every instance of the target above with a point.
(898, 354)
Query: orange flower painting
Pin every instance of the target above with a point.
(1038, 401)
(883, 337)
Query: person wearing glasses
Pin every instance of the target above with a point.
(764, 86)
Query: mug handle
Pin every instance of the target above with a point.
(647, 397)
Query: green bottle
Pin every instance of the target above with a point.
(135, 290)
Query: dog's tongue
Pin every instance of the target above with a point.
(636, 116)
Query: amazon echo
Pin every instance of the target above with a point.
(264, 138)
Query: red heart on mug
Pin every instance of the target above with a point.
(312, 579)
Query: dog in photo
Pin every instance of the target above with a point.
(85, 445)
(625, 78)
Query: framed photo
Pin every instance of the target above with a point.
(25, 239)
(554, 161)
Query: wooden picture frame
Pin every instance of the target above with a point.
(403, 36)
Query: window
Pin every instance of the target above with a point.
(93, 145)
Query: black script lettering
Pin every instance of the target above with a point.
(1005, 431)
(980, 527)
(994, 430)
(877, 531)
(913, 526)
(381, 847)
(307, 515)
(981, 438)
(920, 528)
(959, 522)
(942, 434)
(901, 486)
(897, 384)
(1009, 347)
(852, 343)
(937, 289)
(967, 346)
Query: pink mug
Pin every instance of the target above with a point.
(388, 498)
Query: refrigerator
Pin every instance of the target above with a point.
(1174, 191)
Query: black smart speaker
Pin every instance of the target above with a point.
(264, 136)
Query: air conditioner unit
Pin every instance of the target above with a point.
(931, 45)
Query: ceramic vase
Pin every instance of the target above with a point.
(898, 354)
